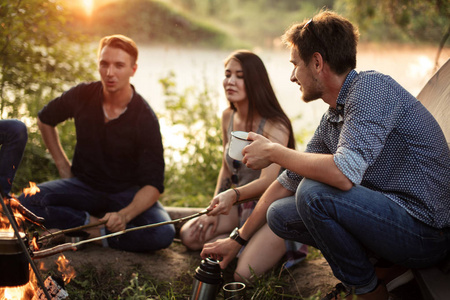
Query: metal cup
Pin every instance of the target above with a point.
(237, 143)
(234, 291)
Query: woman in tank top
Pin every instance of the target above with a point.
(253, 107)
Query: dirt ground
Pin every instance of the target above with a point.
(306, 278)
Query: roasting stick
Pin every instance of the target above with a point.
(141, 227)
(64, 231)
(73, 246)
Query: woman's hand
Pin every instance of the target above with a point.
(202, 224)
(222, 203)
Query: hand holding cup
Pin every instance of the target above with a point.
(257, 155)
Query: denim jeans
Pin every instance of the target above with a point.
(13, 138)
(68, 203)
(351, 227)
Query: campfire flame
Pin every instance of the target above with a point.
(5, 225)
(67, 271)
(29, 291)
(35, 243)
(32, 190)
(23, 292)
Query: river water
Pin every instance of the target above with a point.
(411, 67)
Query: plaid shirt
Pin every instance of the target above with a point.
(384, 139)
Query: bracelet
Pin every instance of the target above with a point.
(238, 194)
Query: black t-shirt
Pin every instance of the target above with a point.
(113, 156)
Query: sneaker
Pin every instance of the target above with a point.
(338, 291)
(394, 276)
(400, 280)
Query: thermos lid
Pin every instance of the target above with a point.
(209, 271)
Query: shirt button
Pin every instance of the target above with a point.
(339, 107)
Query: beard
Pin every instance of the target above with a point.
(309, 98)
(311, 94)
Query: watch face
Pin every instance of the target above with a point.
(234, 234)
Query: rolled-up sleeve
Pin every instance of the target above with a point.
(351, 164)
(289, 180)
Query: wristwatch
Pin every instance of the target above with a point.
(235, 236)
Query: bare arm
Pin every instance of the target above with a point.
(224, 201)
(51, 140)
(143, 200)
(226, 249)
(320, 167)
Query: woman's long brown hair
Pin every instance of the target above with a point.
(260, 94)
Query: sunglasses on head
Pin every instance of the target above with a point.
(310, 25)
(236, 166)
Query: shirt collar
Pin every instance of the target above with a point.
(336, 115)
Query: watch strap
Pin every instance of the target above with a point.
(235, 236)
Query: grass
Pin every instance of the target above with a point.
(105, 282)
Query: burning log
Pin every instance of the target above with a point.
(28, 215)
(54, 287)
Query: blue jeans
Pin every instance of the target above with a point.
(13, 138)
(352, 227)
(68, 203)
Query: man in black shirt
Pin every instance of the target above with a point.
(117, 171)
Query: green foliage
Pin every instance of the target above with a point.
(36, 166)
(92, 282)
(135, 291)
(193, 166)
(260, 22)
(313, 253)
(404, 20)
(269, 286)
(39, 57)
(154, 21)
(35, 58)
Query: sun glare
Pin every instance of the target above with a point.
(88, 6)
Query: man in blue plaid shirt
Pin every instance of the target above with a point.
(372, 188)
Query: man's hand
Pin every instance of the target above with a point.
(257, 154)
(51, 140)
(114, 221)
(224, 250)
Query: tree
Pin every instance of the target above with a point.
(39, 57)
(192, 169)
(420, 20)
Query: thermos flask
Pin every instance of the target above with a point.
(207, 280)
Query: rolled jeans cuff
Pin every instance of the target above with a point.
(104, 241)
